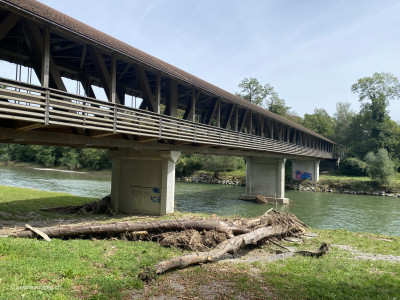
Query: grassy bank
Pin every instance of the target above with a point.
(359, 266)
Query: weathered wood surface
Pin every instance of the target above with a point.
(122, 227)
(229, 245)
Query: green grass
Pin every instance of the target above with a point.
(18, 202)
(108, 269)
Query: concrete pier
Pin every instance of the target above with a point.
(305, 170)
(266, 176)
(143, 181)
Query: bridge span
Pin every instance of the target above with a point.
(177, 111)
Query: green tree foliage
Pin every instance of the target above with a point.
(49, 156)
(218, 164)
(379, 166)
(353, 166)
(343, 118)
(320, 121)
(262, 95)
(374, 93)
(187, 164)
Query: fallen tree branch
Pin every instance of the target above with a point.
(229, 245)
(323, 249)
(122, 227)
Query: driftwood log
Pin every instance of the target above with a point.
(122, 227)
(229, 245)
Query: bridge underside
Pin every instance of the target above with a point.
(174, 111)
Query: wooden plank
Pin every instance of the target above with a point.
(38, 232)
(242, 121)
(171, 107)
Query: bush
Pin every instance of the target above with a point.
(353, 166)
(70, 159)
(379, 166)
(218, 164)
(187, 164)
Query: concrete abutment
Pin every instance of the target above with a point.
(143, 181)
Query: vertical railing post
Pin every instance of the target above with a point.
(47, 108)
(115, 118)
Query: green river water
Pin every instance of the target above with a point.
(319, 210)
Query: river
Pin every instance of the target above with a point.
(357, 213)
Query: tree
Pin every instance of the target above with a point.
(375, 93)
(262, 95)
(379, 166)
(343, 118)
(320, 121)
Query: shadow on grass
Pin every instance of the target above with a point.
(19, 212)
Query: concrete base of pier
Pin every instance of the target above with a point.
(266, 177)
(305, 170)
(143, 181)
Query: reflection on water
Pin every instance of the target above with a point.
(319, 210)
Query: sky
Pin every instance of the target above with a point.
(310, 51)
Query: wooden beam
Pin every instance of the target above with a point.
(126, 69)
(83, 56)
(218, 112)
(148, 96)
(104, 75)
(171, 107)
(236, 125)
(251, 123)
(190, 112)
(158, 93)
(37, 42)
(262, 121)
(228, 118)
(242, 121)
(30, 127)
(46, 57)
(212, 111)
(8, 23)
(113, 78)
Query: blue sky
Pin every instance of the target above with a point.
(311, 51)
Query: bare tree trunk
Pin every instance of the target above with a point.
(226, 246)
(122, 227)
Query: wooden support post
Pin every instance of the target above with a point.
(218, 112)
(113, 79)
(171, 107)
(46, 57)
(262, 121)
(158, 93)
(236, 125)
(251, 123)
(190, 112)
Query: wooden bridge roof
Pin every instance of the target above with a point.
(95, 36)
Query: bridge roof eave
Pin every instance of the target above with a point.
(60, 20)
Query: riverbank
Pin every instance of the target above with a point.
(359, 265)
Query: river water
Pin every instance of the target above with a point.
(357, 213)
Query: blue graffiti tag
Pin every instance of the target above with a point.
(156, 190)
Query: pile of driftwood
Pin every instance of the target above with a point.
(213, 237)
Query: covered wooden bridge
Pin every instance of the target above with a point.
(176, 111)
